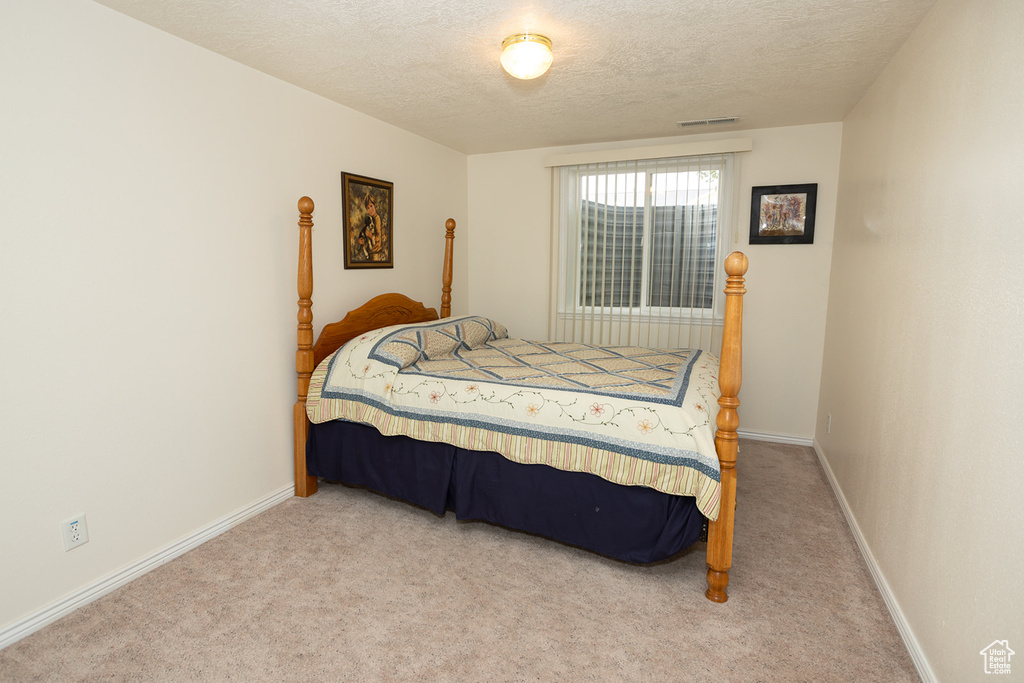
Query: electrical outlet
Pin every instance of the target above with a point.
(75, 532)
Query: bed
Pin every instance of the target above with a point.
(531, 449)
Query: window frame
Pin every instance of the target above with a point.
(570, 305)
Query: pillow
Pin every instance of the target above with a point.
(430, 341)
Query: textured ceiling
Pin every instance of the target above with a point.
(624, 69)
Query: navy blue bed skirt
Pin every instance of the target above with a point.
(630, 523)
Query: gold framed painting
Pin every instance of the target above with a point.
(368, 211)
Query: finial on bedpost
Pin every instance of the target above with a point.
(736, 266)
(730, 375)
(305, 485)
(446, 273)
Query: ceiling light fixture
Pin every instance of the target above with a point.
(526, 55)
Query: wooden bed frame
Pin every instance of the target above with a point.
(394, 309)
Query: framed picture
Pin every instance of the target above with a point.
(783, 214)
(367, 209)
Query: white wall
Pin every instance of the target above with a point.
(147, 269)
(787, 285)
(924, 359)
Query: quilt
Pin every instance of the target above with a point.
(632, 415)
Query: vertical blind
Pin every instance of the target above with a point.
(638, 251)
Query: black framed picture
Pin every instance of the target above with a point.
(783, 214)
(367, 209)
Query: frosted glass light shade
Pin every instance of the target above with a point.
(526, 55)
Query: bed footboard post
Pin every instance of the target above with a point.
(305, 485)
(446, 273)
(730, 375)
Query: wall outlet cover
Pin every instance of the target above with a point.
(75, 532)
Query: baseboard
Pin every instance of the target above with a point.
(924, 670)
(54, 611)
(776, 438)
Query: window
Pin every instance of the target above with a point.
(639, 241)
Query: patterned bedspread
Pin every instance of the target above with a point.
(633, 415)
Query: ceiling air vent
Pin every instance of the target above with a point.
(707, 122)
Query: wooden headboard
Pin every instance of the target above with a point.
(380, 311)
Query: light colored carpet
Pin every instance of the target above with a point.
(348, 585)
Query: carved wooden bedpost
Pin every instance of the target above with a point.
(446, 273)
(305, 485)
(730, 375)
